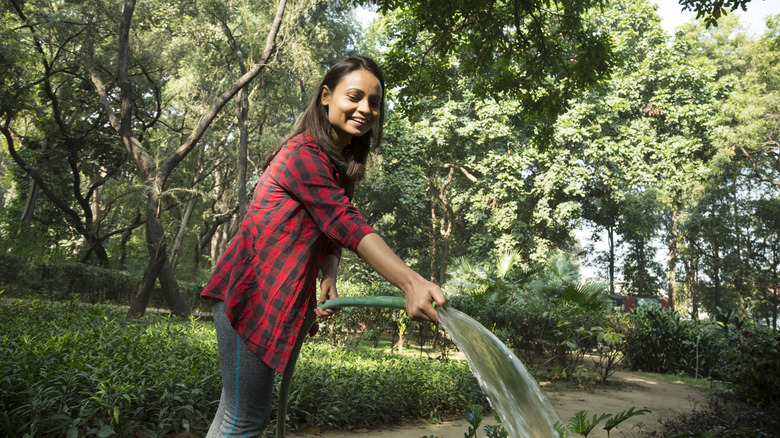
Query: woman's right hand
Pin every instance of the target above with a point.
(419, 298)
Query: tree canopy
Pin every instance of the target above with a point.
(131, 138)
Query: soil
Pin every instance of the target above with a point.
(665, 400)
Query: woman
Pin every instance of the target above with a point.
(299, 219)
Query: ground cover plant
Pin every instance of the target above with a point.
(734, 419)
(75, 369)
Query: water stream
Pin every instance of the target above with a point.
(525, 412)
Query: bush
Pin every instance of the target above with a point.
(557, 333)
(660, 341)
(730, 420)
(749, 361)
(337, 387)
(352, 324)
(64, 280)
(79, 370)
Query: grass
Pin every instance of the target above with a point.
(703, 384)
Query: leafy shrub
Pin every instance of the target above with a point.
(727, 420)
(749, 360)
(337, 387)
(63, 280)
(79, 370)
(352, 324)
(660, 341)
(557, 333)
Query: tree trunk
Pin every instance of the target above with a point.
(95, 246)
(158, 266)
(611, 240)
(31, 202)
(672, 258)
(692, 283)
(434, 240)
(185, 220)
(641, 265)
(242, 114)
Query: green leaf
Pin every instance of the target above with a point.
(106, 431)
(623, 416)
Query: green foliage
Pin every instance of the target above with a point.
(580, 424)
(560, 282)
(77, 370)
(749, 361)
(742, 355)
(711, 11)
(80, 370)
(659, 340)
(622, 416)
(493, 282)
(540, 53)
(731, 419)
(474, 417)
(336, 387)
(63, 280)
(610, 347)
(552, 337)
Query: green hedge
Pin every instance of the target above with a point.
(661, 341)
(750, 360)
(64, 280)
(80, 370)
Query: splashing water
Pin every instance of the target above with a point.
(511, 390)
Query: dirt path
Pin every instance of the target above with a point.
(665, 401)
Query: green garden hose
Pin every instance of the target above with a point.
(284, 389)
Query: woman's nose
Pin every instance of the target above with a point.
(364, 106)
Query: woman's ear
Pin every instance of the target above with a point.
(325, 95)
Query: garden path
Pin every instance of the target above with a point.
(665, 400)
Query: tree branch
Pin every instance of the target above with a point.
(172, 161)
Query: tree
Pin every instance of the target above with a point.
(712, 10)
(536, 52)
(752, 110)
(53, 135)
(154, 174)
(642, 139)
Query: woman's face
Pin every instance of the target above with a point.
(353, 106)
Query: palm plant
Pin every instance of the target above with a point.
(561, 281)
(495, 281)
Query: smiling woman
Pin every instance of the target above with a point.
(299, 219)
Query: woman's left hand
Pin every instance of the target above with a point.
(327, 291)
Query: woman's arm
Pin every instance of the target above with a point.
(419, 291)
(328, 284)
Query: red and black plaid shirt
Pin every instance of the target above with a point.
(267, 276)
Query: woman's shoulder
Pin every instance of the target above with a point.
(305, 138)
(304, 146)
(304, 143)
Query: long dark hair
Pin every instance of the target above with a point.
(351, 162)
